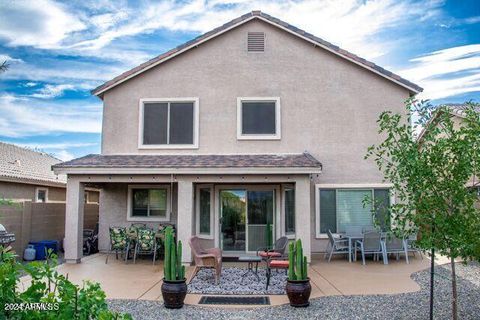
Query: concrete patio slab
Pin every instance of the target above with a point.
(142, 281)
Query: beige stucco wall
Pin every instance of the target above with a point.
(328, 105)
(23, 191)
(113, 211)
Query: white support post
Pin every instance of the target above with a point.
(74, 221)
(185, 218)
(303, 214)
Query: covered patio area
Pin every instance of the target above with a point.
(142, 281)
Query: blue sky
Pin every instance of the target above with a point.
(59, 51)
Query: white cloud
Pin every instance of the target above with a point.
(63, 155)
(37, 23)
(6, 57)
(447, 72)
(347, 23)
(86, 28)
(22, 118)
(55, 145)
(30, 84)
(50, 91)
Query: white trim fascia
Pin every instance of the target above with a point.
(318, 186)
(36, 194)
(148, 186)
(196, 124)
(193, 171)
(194, 45)
(211, 235)
(278, 120)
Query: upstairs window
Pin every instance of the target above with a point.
(258, 118)
(168, 123)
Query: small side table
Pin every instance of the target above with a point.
(251, 260)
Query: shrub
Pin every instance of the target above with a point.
(62, 299)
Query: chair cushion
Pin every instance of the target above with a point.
(279, 264)
(270, 254)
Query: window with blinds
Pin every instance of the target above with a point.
(342, 208)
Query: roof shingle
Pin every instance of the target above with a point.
(25, 164)
(302, 160)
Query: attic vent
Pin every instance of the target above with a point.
(256, 42)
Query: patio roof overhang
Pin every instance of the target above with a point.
(301, 163)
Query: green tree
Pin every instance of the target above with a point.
(432, 178)
(4, 66)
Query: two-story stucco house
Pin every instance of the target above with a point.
(254, 130)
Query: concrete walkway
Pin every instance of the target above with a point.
(143, 280)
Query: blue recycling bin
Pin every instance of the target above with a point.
(42, 246)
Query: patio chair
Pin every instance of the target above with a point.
(371, 244)
(336, 245)
(353, 230)
(275, 263)
(118, 242)
(277, 250)
(160, 237)
(206, 258)
(397, 246)
(132, 234)
(145, 243)
(412, 245)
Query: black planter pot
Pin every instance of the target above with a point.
(298, 292)
(174, 293)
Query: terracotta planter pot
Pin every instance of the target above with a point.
(298, 292)
(174, 293)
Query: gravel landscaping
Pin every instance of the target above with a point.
(401, 306)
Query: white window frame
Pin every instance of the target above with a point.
(196, 110)
(284, 212)
(278, 122)
(151, 219)
(36, 194)
(87, 198)
(319, 235)
(209, 236)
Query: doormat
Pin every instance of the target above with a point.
(235, 300)
(233, 282)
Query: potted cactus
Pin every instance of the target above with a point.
(174, 287)
(298, 283)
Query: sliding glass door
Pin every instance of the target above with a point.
(247, 218)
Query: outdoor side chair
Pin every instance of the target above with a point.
(275, 263)
(145, 244)
(372, 243)
(397, 246)
(206, 258)
(336, 246)
(277, 250)
(118, 242)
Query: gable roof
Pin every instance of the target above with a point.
(412, 87)
(23, 165)
(284, 163)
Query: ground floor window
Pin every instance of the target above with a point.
(41, 195)
(289, 205)
(149, 203)
(204, 211)
(339, 208)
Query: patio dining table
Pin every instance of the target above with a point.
(352, 238)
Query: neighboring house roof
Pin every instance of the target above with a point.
(456, 109)
(412, 87)
(169, 162)
(23, 165)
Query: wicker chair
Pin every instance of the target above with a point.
(206, 258)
